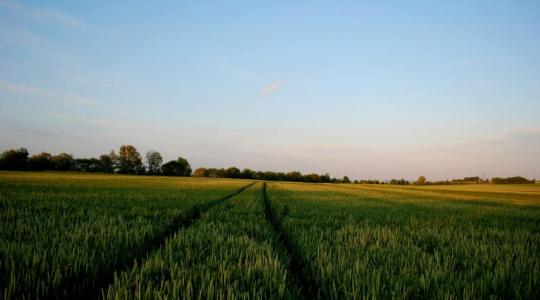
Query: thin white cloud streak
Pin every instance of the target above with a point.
(43, 93)
(49, 16)
(271, 88)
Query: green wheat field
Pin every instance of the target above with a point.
(88, 236)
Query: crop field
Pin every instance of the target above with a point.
(89, 236)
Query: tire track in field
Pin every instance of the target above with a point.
(179, 223)
(301, 276)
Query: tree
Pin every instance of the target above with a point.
(129, 160)
(294, 176)
(247, 174)
(199, 172)
(346, 179)
(269, 175)
(312, 178)
(115, 162)
(154, 161)
(63, 162)
(421, 180)
(14, 159)
(232, 172)
(185, 166)
(179, 167)
(213, 173)
(326, 178)
(87, 165)
(106, 162)
(41, 161)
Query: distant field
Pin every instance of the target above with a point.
(75, 235)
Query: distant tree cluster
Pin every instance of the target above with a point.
(466, 180)
(475, 180)
(399, 182)
(512, 180)
(368, 181)
(127, 161)
(19, 159)
(234, 172)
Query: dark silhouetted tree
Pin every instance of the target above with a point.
(14, 159)
(232, 172)
(314, 178)
(179, 167)
(247, 174)
(326, 178)
(106, 163)
(154, 160)
(185, 166)
(294, 176)
(212, 173)
(63, 162)
(41, 161)
(87, 165)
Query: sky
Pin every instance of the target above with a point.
(368, 89)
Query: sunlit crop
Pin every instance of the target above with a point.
(68, 235)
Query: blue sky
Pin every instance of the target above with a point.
(365, 89)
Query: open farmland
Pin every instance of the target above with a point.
(67, 235)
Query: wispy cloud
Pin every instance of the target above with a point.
(48, 15)
(39, 92)
(272, 88)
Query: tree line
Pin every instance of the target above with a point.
(466, 180)
(234, 172)
(129, 161)
(512, 180)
